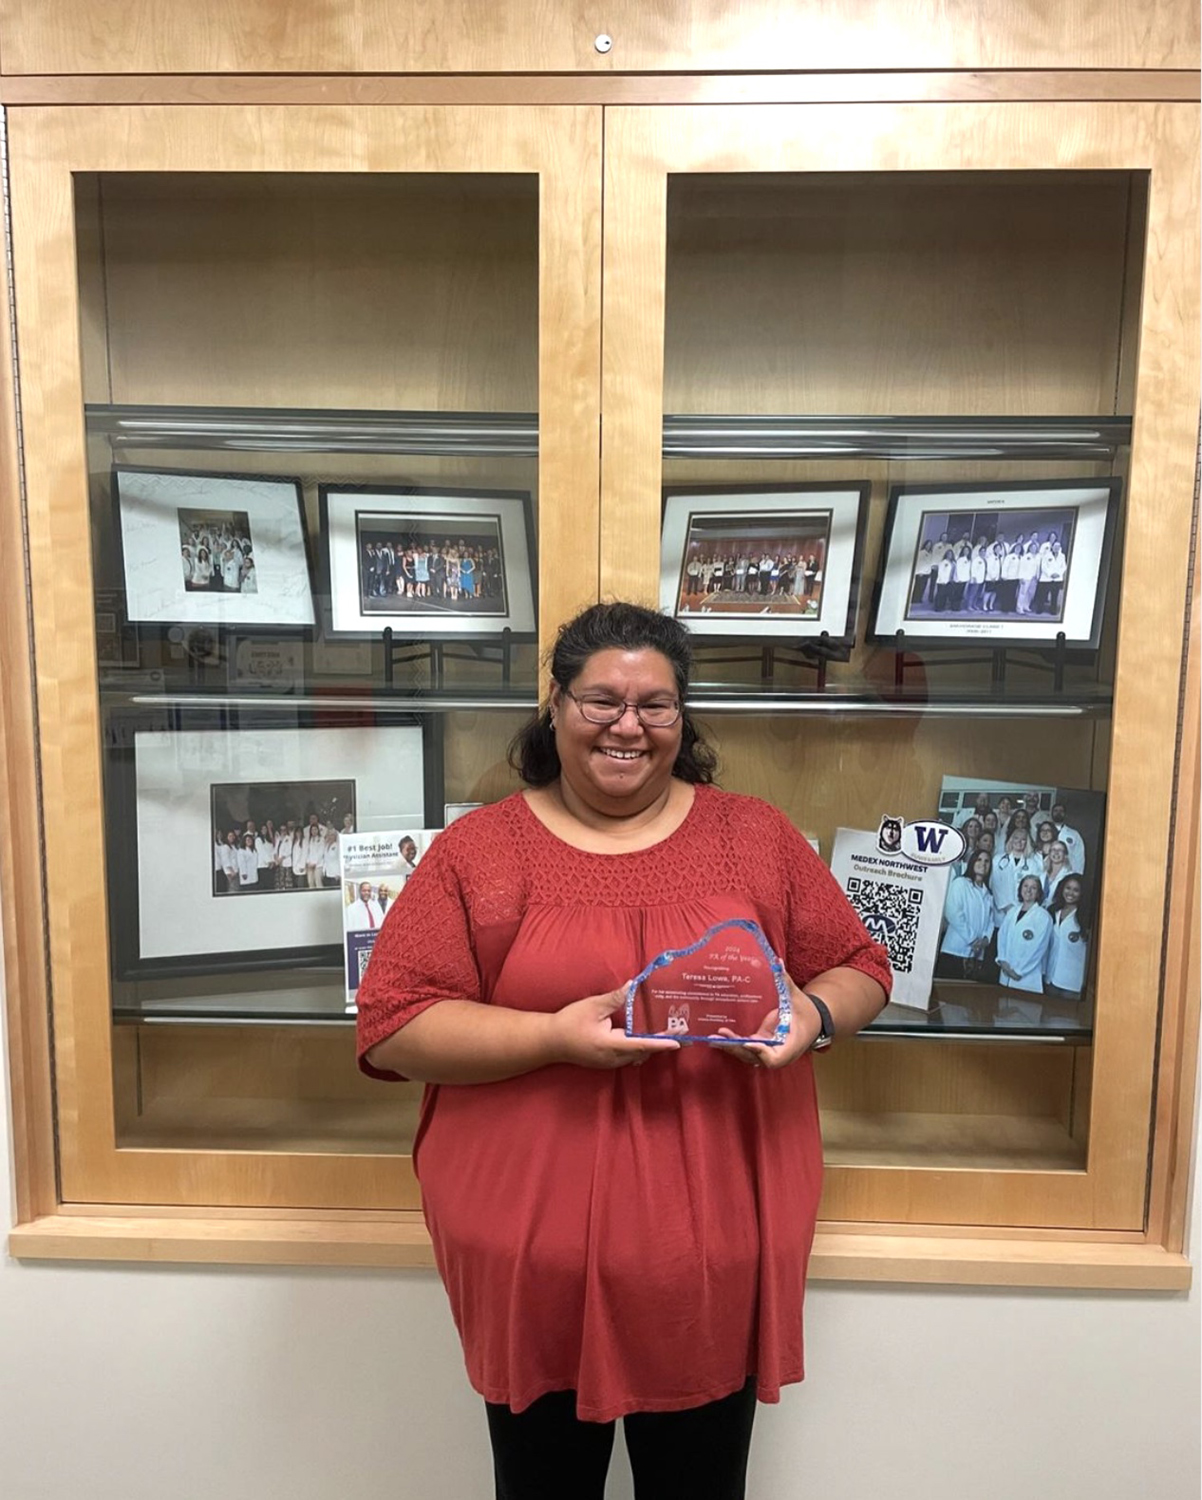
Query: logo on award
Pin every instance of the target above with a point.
(678, 1020)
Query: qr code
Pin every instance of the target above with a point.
(363, 955)
(890, 913)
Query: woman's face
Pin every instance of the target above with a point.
(623, 766)
(985, 842)
(1016, 844)
(972, 831)
(1057, 854)
(1029, 890)
(1046, 833)
(980, 867)
(1020, 819)
(1070, 891)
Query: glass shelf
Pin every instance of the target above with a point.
(685, 435)
(284, 998)
(321, 1003)
(916, 438)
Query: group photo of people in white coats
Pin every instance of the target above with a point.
(279, 838)
(1004, 565)
(1020, 900)
(216, 553)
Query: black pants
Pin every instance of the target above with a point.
(546, 1453)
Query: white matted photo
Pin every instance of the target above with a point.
(1017, 564)
(429, 562)
(767, 561)
(193, 787)
(213, 549)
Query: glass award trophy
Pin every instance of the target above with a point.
(729, 980)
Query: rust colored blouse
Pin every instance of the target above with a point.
(639, 1236)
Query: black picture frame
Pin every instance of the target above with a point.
(360, 603)
(150, 505)
(1084, 512)
(830, 519)
(160, 765)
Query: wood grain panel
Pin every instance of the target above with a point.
(221, 36)
(402, 1241)
(329, 291)
(26, 999)
(643, 148)
(876, 1075)
(47, 150)
(949, 294)
(1151, 85)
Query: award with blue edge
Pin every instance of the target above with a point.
(729, 980)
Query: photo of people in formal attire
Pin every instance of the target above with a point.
(744, 565)
(1022, 901)
(430, 564)
(1001, 565)
(216, 551)
(278, 838)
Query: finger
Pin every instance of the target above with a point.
(739, 1050)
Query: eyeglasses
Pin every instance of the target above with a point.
(655, 715)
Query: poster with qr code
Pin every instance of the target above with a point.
(374, 870)
(900, 902)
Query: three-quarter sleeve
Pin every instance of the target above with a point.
(423, 955)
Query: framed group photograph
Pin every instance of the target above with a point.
(776, 561)
(1017, 564)
(224, 842)
(429, 562)
(212, 549)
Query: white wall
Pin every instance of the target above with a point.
(160, 1383)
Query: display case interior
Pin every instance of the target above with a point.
(863, 373)
(313, 436)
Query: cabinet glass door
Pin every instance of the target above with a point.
(900, 442)
(308, 398)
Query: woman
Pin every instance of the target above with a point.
(1023, 939)
(1020, 818)
(1068, 948)
(467, 575)
(202, 569)
(248, 864)
(265, 842)
(972, 830)
(1015, 864)
(1056, 869)
(1028, 579)
(1045, 836)
(622, 1226)
(330, 861)
(970, 921)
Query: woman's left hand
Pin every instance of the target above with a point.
(804, 1027)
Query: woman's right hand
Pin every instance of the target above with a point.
(585, 1034)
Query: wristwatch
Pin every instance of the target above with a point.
(826, 1034)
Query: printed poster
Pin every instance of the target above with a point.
(900, 902)
(374, 870)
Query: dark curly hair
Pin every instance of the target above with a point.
(613, 627)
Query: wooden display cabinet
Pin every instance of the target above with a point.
(1035, 262)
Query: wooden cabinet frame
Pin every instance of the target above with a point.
(643, 148)
(601, 511)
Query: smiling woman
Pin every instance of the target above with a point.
(617, 1240)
